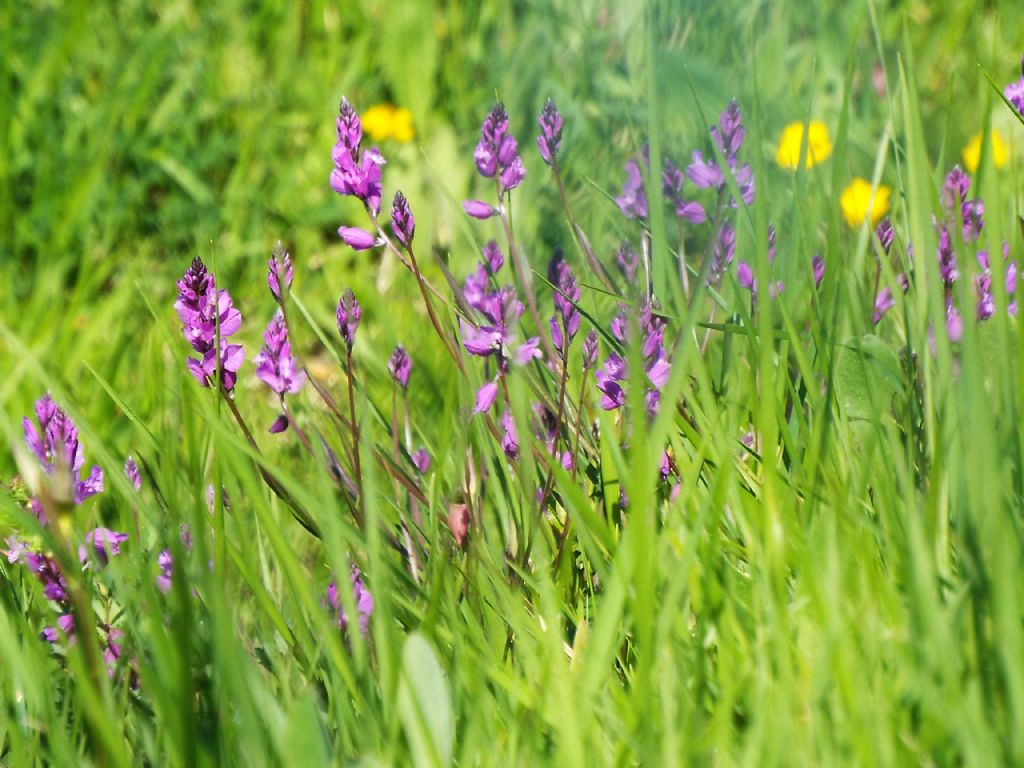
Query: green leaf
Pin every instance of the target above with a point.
(424, 704)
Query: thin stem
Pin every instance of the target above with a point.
(354, 426)
(579, 237)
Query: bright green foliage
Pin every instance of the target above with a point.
(847, 589)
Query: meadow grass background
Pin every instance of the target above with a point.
(853, 597)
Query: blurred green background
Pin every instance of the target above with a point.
(136, 135)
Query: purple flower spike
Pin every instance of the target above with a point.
(947, 259)
(955, 188)
(722, 252)
(348, 316)
(628, 261)
(356, 173)
(745, 276)
(486, 396)
(356, 238)
(206, 312)
(402, 222)
(350, 130)
(818, 268)
(954, 323)
(885, 234)
(550, 138)
(421, 460)
(478, 209)
(275, 365)
(608, 378)
(633, 200)
(691, 211)
(590, 350)
(400, 366)
(104, 543)
(493, 258)
(166, 564)
(280, 271)
(883, 303)
(55, 443)
(509, 437)
(972, 212)
(497, 153)
(362, 598)
(131, 471)
(729, 133)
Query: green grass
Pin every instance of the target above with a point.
(847, 591)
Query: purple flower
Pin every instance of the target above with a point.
(48, 574)
(608, 378)
(357, 239)
(633, 200)
(722, 251)
(955, 187)
(360, 595)
(550, 138)
(421, 460)
(972, 212)
(355, 173)
(947, 259)
(275, 365)
(403, 224)
(478, 209)
(400, 366)
(885, 234)
(566, 296)
(818, 268)
(1014, 92)
(509, 437)
(493, 258)
(131, 471)
(729, 133)
(497, 152)
(527, 351)
(590, 350)
(105, 544)
(205, 313)
(954, 323)
(348, 316)
(280, 271)
(705, 174)
(883, 303)
(691, 211)
(166, 564)
(55, 444)
(986, 302)
(486, 396)
(628, 261)
(745, 276)
(350, 129)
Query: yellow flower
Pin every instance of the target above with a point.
(972, 152)
(859, 199)
(386, 121)
(819, 145)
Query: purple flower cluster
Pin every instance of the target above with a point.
(966, 216)
(565, 323)
(348, 315)
(276, 367)
(55, 444)
(361, 596)
(497, 152)
(499, 310)
(614, 372)
(728, 136)
(279, 272)
(357, 172)
(550, 139)
(206, 314)
(400, 367)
